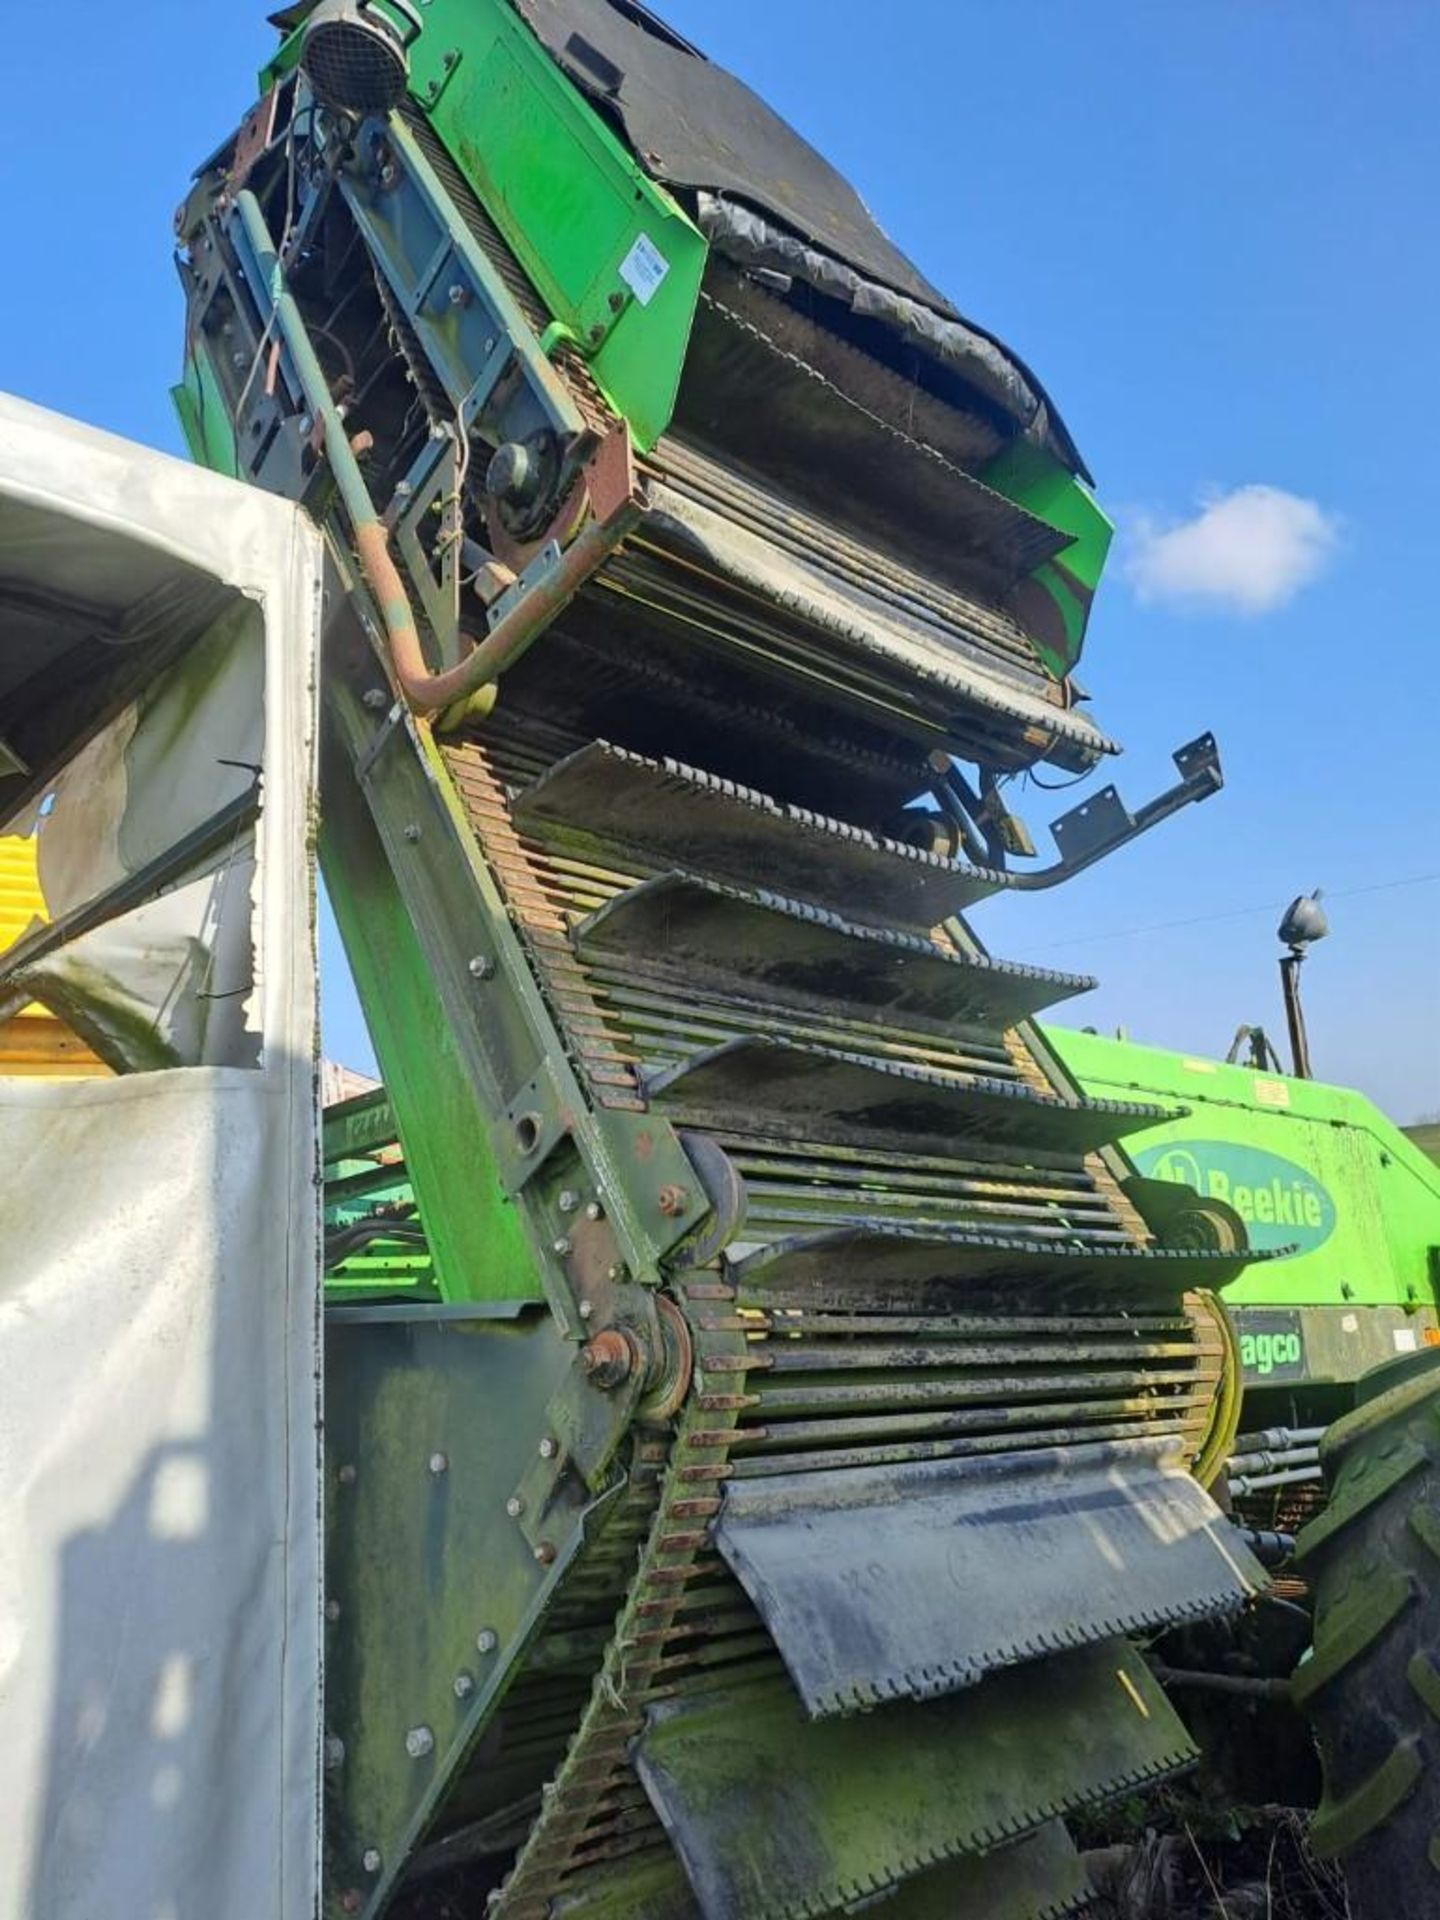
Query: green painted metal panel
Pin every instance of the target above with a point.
(205, 415)
(1037, 481)
(429, 1580)
(1305, 1164)
(477, 1239)
(621, 263)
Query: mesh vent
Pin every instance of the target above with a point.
(354, 67)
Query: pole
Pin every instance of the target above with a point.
(1294, 1013)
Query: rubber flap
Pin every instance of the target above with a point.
(880, 1583)
(777, 1818)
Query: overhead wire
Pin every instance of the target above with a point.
(1234, 913)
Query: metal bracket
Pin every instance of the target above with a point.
(543, 567)
(1101, 824)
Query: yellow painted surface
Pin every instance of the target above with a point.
(33, 1043)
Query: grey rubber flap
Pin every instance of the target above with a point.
(880, 1583)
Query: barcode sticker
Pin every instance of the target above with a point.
(643, 269)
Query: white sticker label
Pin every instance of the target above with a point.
(1405, 1340)
(643, 269)
(1272, 1093)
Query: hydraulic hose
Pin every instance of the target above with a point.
(425, 692)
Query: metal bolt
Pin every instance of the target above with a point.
(439, 1462)
(489, 346)
(569, 1200)
(673, 1201)
(548, 1448)
(561, 1247)
(608, 1359)
(545, 1553)
(481, 967)
(375, 698)
(594, 1210)
(332, 1609)
(346, 1476)
(237, 359)
(307, 425)
(370, 1860)
(352, 1900)
(486, 1641)
(463, 1685)
(459, 296)
(514, 1506)
(587, 1307)
(334, 1752)
(615, 1273)
(412, 833)
(419, 1742)
(388, 176)
(617, 301)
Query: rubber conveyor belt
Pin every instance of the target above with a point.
(935, 1511)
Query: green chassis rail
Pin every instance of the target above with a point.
(761, 1394)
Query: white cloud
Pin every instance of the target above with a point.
(1248, 551)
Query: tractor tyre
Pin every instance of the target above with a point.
(1371, 1684)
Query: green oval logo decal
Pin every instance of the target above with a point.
(1281, 1204)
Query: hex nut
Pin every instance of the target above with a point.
(419, 1742)
(370, 1860)
(486, 1641)
(514, 1506)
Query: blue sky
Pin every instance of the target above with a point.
(1209, 229)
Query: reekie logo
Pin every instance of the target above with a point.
(1281, 1204)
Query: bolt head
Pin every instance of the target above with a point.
(463, 1685)
(481, 967)
(561, 1247)
(419, 1742)
(594, 1210)
(439, 1462)
(486, 1641)
(412, 833)
(370, 1860)
(587, 1307)
(514, 1506)
(334, 1752)
(346, 1476)
(569, 1200)
(375, 698)
(332, 1610)
(545, 1553)
(548, 1448)
(352, 1900)
(459, 296)
(307, 425)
